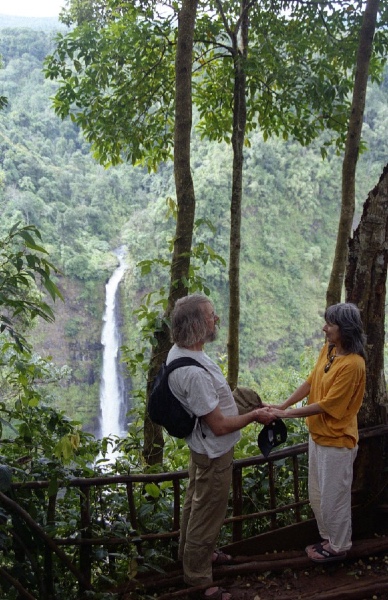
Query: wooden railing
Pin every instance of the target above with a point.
(94, 494)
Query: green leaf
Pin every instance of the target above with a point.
(30, 242)
(152, 490)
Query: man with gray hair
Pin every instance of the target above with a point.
(206, 394)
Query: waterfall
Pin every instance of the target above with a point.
(112, 389)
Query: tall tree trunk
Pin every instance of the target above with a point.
(365, 284)
(352, 146)
(153, 434)
(240, 45)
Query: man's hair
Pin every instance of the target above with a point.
(188, 321)
(347, 316)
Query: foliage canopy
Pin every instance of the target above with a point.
(115, 70)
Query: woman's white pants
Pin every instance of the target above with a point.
(330, 488)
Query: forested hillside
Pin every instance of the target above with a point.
(291, 207)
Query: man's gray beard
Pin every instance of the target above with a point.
(211, 336)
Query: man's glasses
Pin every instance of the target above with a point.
(329, 361)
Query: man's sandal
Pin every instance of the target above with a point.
(219, 594)
(221, 558)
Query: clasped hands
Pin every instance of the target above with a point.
(268, 413)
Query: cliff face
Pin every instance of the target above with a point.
(74, 340)
(75, 336)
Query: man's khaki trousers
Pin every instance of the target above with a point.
(203, 514)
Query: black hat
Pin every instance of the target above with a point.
(272, 435)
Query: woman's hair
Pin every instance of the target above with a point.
(347, 316)
(188, 321)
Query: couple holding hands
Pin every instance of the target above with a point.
(335, 390)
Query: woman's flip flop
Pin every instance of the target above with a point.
(313, 547)
(326, 555)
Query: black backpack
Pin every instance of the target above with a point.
(164, 408)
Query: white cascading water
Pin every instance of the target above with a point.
(112, 402)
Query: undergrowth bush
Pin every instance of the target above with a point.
(48, 446)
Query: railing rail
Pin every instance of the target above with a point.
(83, 540)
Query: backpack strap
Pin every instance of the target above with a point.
(183, 361)
(186, 361)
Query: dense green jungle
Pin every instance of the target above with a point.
(54, 453)
(49, 178)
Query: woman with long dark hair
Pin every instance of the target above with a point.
(335, 390)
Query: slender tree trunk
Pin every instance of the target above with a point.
(182, 148)
(153, 434)
(365, 284)
(240, 44)
(352, 146)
